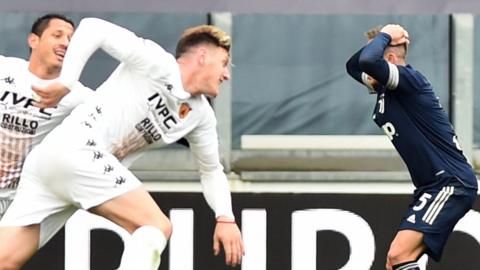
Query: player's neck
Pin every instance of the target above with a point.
(42, 71)
(398, 61)
(187, 74)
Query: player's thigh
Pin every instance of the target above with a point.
(132, 210)
(18, 244)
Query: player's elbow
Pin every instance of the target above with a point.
(350, 67)
(369, 66)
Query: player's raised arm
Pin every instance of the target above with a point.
(371, 59)
(353, 68)
(384, 53)
(92, 34)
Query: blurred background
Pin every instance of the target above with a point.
(291, 121)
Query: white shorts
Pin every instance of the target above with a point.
(49, 226)
(66, 171)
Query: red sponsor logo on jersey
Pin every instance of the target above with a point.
(184, 110)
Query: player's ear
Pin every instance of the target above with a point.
(33, 40)
(202, 55)
(392, 58)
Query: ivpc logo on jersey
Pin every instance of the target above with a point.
(12, 98)
(161, 109)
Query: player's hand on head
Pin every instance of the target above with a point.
(394, 30)
(50, 96)
(402, 39)
(227, 234)
(398, 34)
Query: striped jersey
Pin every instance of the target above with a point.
(412, 117)
(23, 125)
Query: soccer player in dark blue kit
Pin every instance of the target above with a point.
(409, 112)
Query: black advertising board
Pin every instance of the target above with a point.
(285, 231)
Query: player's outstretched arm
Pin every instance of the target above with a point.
(92, 34)
(227, 235)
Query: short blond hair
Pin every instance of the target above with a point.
(202, 34)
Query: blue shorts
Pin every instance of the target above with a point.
(435, 212)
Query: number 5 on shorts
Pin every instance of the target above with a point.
(423, 201)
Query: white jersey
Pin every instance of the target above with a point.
(143, 104)
(23, 125)
(132, 113)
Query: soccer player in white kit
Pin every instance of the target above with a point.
(22, 124)
(151, 99)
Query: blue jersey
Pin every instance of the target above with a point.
(410, 113)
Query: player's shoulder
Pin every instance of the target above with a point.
(156, 52)
(205, 103)
(203, 109)
(209, 112)
(414, 77)
(12, 62)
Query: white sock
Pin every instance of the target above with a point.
(407, 266)
(144, 249)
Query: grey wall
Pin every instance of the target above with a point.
(289, 75)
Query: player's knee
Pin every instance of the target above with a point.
(388, 265)
(166, 228)
(160, 222)
(395, 255)
(144, 249)
(148, 233)
(402, 251)
(406, 247)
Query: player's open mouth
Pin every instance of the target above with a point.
(60, 54)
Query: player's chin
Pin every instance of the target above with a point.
(213, 92)
(57, 64)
